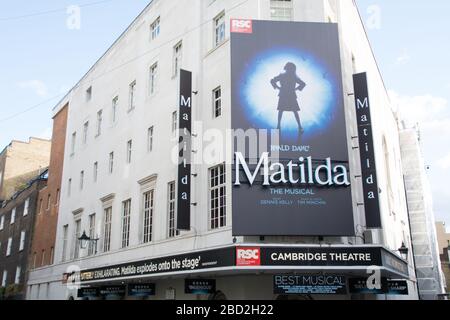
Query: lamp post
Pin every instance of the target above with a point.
(85, 240)
(404, 251)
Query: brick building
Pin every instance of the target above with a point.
(45, 223)
(444, 250)
(17, 217)
(20, 162)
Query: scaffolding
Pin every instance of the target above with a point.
(430, 278)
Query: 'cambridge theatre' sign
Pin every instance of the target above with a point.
(287, 86)
(185, 152)
(366, 148)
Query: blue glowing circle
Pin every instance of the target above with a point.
(317, 101)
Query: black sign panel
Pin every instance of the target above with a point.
(141, 290)
(365, 286)
(334, 257)
(112, 291)
(389, 287)
(186, 262)
(199, 286)
(351, 256)
(185, 152)
(291, 175)
(366, 148)
(393, 262)
(398, 287)
(88, 292)
(309, 284)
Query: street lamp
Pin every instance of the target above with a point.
(404, 251)
(85, 240)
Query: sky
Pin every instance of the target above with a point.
(46, 50)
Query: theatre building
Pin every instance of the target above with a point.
(232, 150)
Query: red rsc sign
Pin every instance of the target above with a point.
(248, 257)
(241, 26)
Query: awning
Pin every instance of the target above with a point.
(250, 258)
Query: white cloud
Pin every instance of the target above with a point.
(404, 58)
(37, 86)
(421, 109)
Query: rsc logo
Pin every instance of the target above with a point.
(248, 257)
(241, 26)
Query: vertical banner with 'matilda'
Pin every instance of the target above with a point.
(367, 152)
(185, 151)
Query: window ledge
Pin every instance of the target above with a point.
(217, 47)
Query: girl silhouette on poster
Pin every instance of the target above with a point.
(288, 83)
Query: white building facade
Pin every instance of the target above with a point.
(119, 178)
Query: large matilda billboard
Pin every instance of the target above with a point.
(287, 102)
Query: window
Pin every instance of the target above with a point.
(52, 253)
(132, 96)
(153, 78)
(111, 162)
(177, 56)
(95, 171)
(76, 236)
(217, 102)
(172, 231)
(174, 122)
(129, 150)
(43, 258)
(4, 278)
(115, 105)
(22, 241)
(64, 244)
(150, 139)
(155, 29)
(74, 141)
(219, 29)
(34, 260)
(126, 215)
(107, 229)
(58, 195)
(41, 201)
(85, 132)
(217, 187)
(8, 247)
(13, 216)
(2, 222)
(49, 200)
(281, 10)
(99, 122)
(89, 94)
(69, 188)
(148, 206)
(92, 249)
(81, 180)
(26, 207)
(17, 278)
